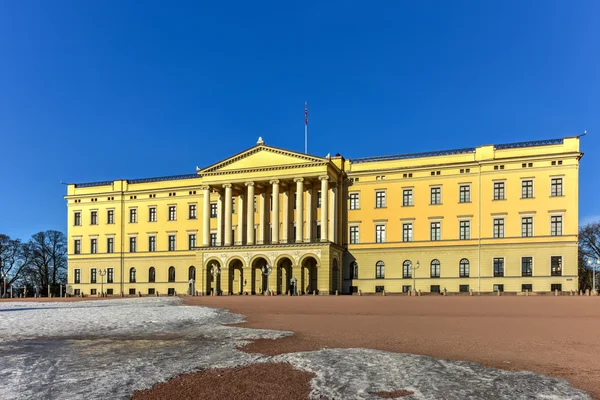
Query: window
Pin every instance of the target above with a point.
(171, 274)
(77, 246)
(556, 265)
(171, 242)
(132, 244)
(556, 187)
(77, 278)
(151, 291)
(152, 214)
(132, 276)
(379, 233)
(255, 204)
(213, 239)
(436, 195)
(354, 270)
(172, 213)
(527, 226)
(233, 204)
(498, 288)
(109, 292)
(93, 275)
(192, 273)
(317, 232)
(132, 291)
(379, 289)
(151, 275)
(110, 216)
(498, 228)
(171, 292)
(407, 269)
(406, 288)
(93, 246)
(213, 210)
(380, 199)
(380, 270)
(436, 231)
(318, 199)
(526, 287)
(77, 219)
(498, 267)
(77, 292)
(527, 189)
(192, 240)
(133, 215)
(465, 230)
(464, 268)
(354, 201)
(407, 232)
(192, 211)
(556, 225)
(110, 275)
(407, 197)
(526, 266)
(498, 190)
(110, 245)
(556, 286)
(465, 194)
(435, 268)
(463, 288)
(94, 218)
(354, 232)
(151, 243)
(434, 288)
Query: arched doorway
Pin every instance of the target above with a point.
(260, 275)
(309, 281)
(335, 276)
(192, 281)
(213, 274)
(236, 277)
(284, 274)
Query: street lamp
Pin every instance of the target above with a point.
(593, 264)
(102, 272)
(215, 271)
(266, 270)
(417, 265)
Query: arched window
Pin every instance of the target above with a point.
(354, 270)
(151, 275)
(435, 268)
(380, 270)
(407, 269)
(192, 273)
(464, 268)
(171, 274)
(132, 275)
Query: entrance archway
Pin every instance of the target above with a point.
(260, 280)
(192, 281)
(284, 274)
(236, 277)
(213, 275)
(309, 281)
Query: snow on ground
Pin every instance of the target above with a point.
(109, 349)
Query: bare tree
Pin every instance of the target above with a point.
(589, 248)
(48, 265)
(15, 256)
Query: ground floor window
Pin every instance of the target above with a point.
(151, 291)
(93, 291)
(556, 286)
(406, 288)
(77, 292)
(171, 291)
(132, 291)
(378, 289)
(526, 287)
(109, 292)
(463, 288)
(434, 288)
(498, 288)
(353, 289)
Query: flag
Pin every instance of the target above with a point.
(305, 113)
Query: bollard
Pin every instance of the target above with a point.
(314, 292)
(471, 292)
(383, 292)
(420, 294)
(360, 292)
(526, 292)
(445, 292)
(587, 292)
(336, 293)
(556, 292)
(289, 292)
(498, 293)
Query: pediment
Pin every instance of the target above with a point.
(261, 156)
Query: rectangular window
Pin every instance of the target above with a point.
(556, 286)
(463, 288)
(132, 291)
(192, 211)
(379, 233)
(77, 219)
(436, 231)
(151, 243)
(556, 265)
(152, 214)
(436, 195)
(354, 201)
(255, 204)
(171, 292)
(498, 288)
(109, 292)
(172, 213)
(94, 218)
(317, 232)
(498, 190)
(354, 232)
(556, 225)
(556, 187)
(526, 266)
(110, 216)
(110, 275)
(526, 287)
(407, 232)
(151, 291)
(77, 277)
(171, 242)
(407, 197)
(498, 228)
(233, 205)
(132, 244)
(76, 292)
(406, 288)
(93, 246)
(110, 245)
(213, 210)
(527, 226)
(93, 275)
(213, 239)
(192, 240)
(498, 267)
(380, 199)
(77, 246)
(133, 215)
(465, 194)
(318, 199)
(434, 288)
(465, 230)
(527, 189)
(379, 289)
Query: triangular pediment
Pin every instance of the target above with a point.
(262, 156)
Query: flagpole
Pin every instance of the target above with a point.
(305, 127)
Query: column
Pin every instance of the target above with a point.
(250, 214)
(263, 225)
(309, 196)
(206, 216)
(324, 207)
(299, 210)
(240, 226)
(227, 200)
(275, 211)
(220, 220)
(286, 215)
(332, 213)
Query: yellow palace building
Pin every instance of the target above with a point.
(490, 218)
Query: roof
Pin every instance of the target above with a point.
(141, 180)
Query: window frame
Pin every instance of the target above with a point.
(434, 268)
(191, 241)
(354, 199)
(437, 229)
(407, 232)
(407, 272)
(172, 213)
(527, 189)
(498, 228)
(407, 197)
(380, 199)
(151, 243)
(556, 187)
(354, 234)
(498, 267)
(499, 191)
(77, 276)
(527, 226)
(380, 270)
(172, 242)
(529, 264)
(77, 218)
(133, 217)
(152, 214)
(556, 270)
(464, 268)
(133, 244)
(132, 275)
(556, 225)
(464, 193)
(435, 196)
(380, 233)
(172, 274)
(464, 229)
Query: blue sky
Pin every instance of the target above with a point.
(113, 89)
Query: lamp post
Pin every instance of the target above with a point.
(266, 270)
(102, 272)
(417, 265)
(215, 271)
(593, 264)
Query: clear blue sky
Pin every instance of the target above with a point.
(116, 89)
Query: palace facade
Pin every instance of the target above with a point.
(490, 218)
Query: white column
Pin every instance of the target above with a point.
(332, 213)
(299, 210)
(227, 230)
(240, 224)
(206, 216)
(250, 214)
(220, 220)
(275, 211)
(263, 225)
(286, 215)
(324, 207)
(309, 221)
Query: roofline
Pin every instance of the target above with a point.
(139, 180)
